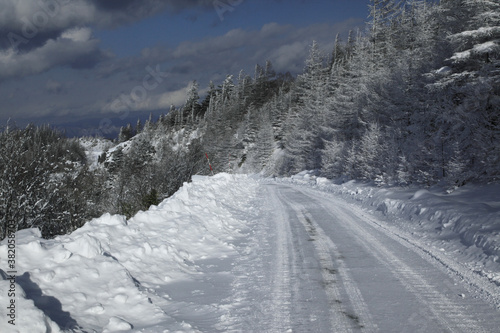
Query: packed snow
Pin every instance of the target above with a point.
(464, 223)
(197, 261)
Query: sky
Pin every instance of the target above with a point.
(97, 63)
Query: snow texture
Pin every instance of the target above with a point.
(198, 261)
(103, 276)
(465, 222)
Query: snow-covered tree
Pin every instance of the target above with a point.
(192, 106)
(44, 182)
(303, 140)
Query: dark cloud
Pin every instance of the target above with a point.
(114, 5)
(184, 68)
(54, 87)
(22, 44)
(114, 13)
(74, 48)
(41, 20)
(136, 8)
(33, 30)
(94, 91)
(29, 24)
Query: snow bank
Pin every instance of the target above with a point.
(465, 222)
(104, 275)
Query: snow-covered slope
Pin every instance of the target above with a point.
(103, 276)
(94, 147)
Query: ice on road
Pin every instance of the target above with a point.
(238, 254)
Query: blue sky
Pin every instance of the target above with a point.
(64, 61)
(248, 14)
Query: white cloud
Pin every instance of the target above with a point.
(77, 34)
(290, 56)
(273, 29)
(139, 99)
(177, 98)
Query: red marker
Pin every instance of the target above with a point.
(210, 165)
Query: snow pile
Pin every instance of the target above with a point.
(104, 276)
(466, 221)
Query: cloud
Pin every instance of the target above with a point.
(126, 11)
(177, 97)
(94, 92)
(34, 30)
(54, 87)
(40, 20)
(74, 48)
(289, 56)
(29, 24)
(143, 100)
(212, 58)
(77, 34)
(284, 45)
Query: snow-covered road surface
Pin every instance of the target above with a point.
(238, 254)
(347, 273)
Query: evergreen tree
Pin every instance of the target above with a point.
(192, 106)
(126, 133)
(383, 14)
(304, 139)
(138, 126)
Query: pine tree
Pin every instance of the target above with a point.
(338, 56)
(192, 106)
(383, 14)
(138, 126)
(126, 133)
(303, 141)
(468, 109)
(259, 87)
(210, 95)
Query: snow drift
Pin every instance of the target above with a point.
(104, 275)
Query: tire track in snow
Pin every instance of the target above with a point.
(473, 283)
(281, 286)
(361, 317)
(339, 316)
(452, 316)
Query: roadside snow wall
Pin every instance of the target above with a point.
(101, 276)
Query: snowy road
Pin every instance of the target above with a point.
(232, 253)
(326, 266)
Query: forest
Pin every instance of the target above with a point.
(412, 100)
